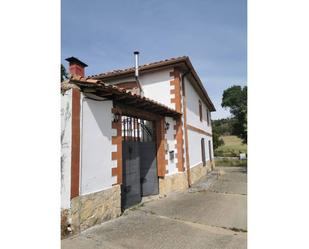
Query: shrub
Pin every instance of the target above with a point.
(231, 163)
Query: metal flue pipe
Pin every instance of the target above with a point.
(136, 57)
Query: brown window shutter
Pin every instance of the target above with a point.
(203, 151)
(201, 111)
(210, 155)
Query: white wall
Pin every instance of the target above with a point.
(156, 86)
(96, 146)
(195, 151)
(171, 141)
(66, 135)
(193, 116)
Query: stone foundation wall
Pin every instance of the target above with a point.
(173, 183)
(179, 182)
(65, 215)
(198, 171)
(212, 165)
(95, 208)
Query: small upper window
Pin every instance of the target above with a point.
(201, 110)
(207, 118)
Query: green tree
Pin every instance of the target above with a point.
(224, 126)
(235, 98)
(64, 74)
(216, 140)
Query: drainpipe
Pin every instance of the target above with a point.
(136, 57)
(184, 101)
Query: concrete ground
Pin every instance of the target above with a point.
(212, 214)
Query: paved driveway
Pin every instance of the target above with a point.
(210, 216)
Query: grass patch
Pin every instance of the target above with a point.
(232, 147)
(230, 163)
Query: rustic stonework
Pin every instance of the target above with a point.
(92, 209)
(65, 214)
(178, 182)
(199, 170)
(75, 206)
(173, 183)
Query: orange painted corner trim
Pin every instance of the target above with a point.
(175, 83)
(75, 143)
(160, 137)
(114, 171)
(179, 144)
(117, 155)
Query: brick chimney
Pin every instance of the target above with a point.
(76, 67)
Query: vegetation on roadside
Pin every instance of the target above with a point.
(232, 147)
(235, 99)
(230, 134)
(216, 139)
(221, 127)
(230, 163)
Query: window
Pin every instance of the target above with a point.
(201, 110)
(208, 117)
(172, 156)
(210, 154)
(203, 151)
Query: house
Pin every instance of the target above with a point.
(128, 134)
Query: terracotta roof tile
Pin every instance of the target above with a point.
(157, 64)
(89, 82)
(131, 69)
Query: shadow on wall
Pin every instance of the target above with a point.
(96, 108)
(96, 146)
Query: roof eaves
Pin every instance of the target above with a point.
(81, 81)
(198, 80)
(158, 64)
(141, 68)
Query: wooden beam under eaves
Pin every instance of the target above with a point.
(89, 90)
(143, 105)
(123, 109)
(131, 102)
(104, 94)
(119, 97)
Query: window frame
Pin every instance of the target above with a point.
(203, 151)
(210, 150)
(208, 117)
(200, 110)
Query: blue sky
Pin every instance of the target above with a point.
(213, 33)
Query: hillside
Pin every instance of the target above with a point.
(233, 146)
(224, 126)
